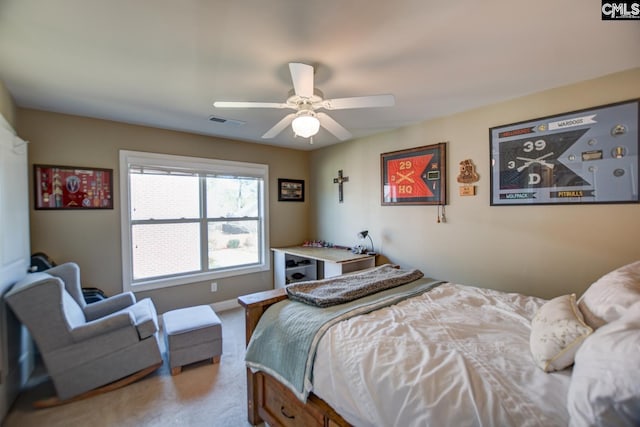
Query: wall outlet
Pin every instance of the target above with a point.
(214, 286)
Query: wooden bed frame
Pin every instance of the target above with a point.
(269, 400)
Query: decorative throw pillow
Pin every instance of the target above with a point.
(605, 382)
(557, 330)
(608, 298)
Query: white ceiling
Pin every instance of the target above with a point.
(163, 63)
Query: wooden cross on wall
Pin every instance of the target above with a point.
(339, 180)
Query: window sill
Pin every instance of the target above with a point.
(149, 285)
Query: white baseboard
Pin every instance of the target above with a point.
(229, 304)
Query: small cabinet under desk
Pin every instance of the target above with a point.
(297, 268)
(298, 263)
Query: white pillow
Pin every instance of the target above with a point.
(557, 330)
(608, 298)
(605, 383)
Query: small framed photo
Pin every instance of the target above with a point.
(72, 187)
(417, 176)
(290, 190)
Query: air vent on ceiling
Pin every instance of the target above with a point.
(224, 121)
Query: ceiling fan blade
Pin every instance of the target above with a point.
(334, 127)
(359, 102)
(279, 127)
(302, 77)
(241, 104)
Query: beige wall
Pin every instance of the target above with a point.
(92, 238)
(7, 106)
(539, 250)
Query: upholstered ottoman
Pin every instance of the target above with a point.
(192, 334)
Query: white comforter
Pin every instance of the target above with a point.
(454, 356)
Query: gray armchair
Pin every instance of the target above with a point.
(85, 346)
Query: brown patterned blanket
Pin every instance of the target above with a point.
(342, 289)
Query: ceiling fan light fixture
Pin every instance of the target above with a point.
(305, 125)
(304, 99)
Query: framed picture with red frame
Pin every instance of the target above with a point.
(417, 176)
(72, 187)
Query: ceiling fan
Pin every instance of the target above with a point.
(304, 99)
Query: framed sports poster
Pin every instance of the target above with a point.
(585, 156)
(71, 187)
(417, 176)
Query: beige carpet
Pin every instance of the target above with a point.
(204, 394)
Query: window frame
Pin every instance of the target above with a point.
(199, 165)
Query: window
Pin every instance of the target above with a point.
(188, 219)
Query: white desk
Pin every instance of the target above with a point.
(315, 263)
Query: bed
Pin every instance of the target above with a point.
(431, 353)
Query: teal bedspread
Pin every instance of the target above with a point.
(285, 340)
